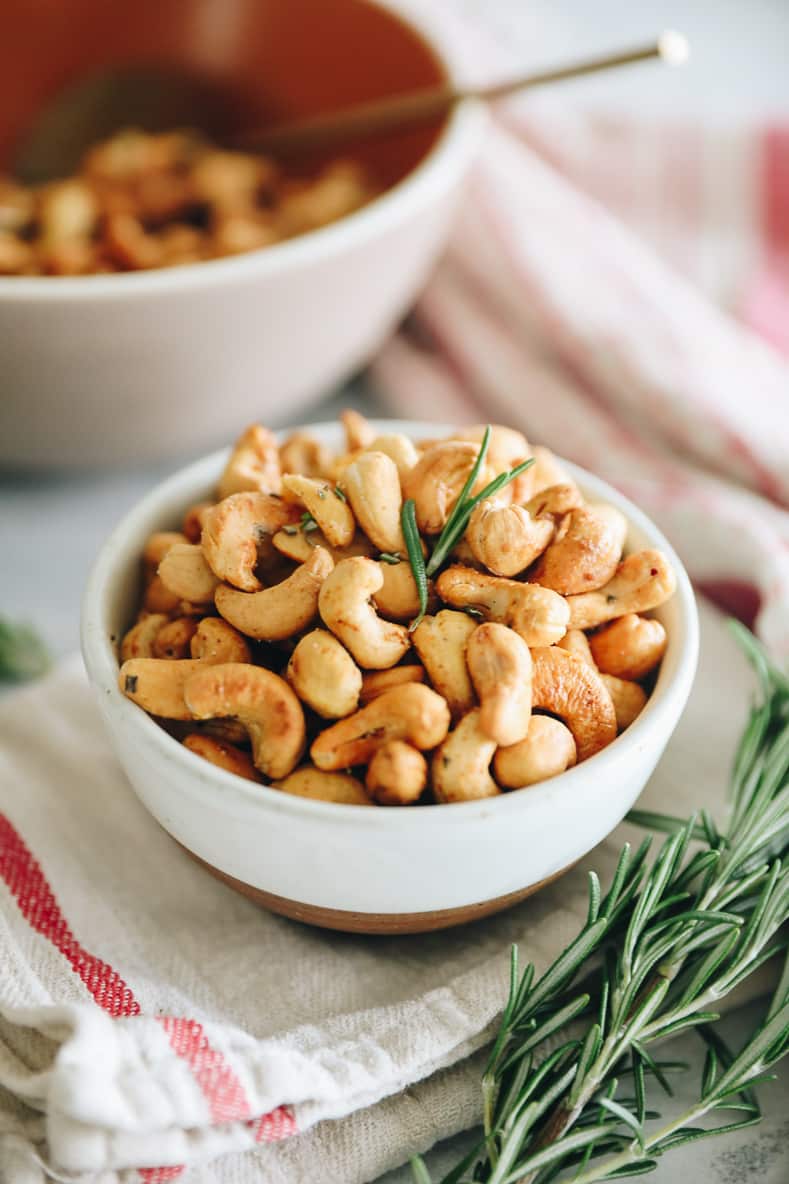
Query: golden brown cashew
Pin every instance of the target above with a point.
(642, 581)
(156, 547)
(586, 554)
(138, 642)
(309, 782)
(359, 432)
(157, 684)
(499, 663)
(159, 599)
(400, 449)
(576, 642)
(628, 698)
(548, 750)
(629, 647)
(555, 501)
(216, 641)
(437, 478)
(398, 597)
(372, 486)
(192, 524)
(327, 507)
(253, 464)
(506, 539)
(222, 754)
(461, 766)
(297, 545)
(282, 610)
(233, 530)
(185, 572)
(441, 643)
(302, 453)
(539, 615)
(324, 675)
(507, 448)
(413, 713)
(378, 681)
(174, 639)
(344, 604)
(263, 702)
(397, 774)
(575, 693)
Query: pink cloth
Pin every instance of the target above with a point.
(589, 296)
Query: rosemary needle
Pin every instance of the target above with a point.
(413, 544)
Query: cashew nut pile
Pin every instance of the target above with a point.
(143, 201)
(278, 634)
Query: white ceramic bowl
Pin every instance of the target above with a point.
(100, 369)
(379, 870)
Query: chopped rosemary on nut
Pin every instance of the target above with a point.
(390, 557)
(307, 523)
(339, 493)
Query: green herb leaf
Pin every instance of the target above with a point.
(390, 557)
(23, 654)
(413, 544)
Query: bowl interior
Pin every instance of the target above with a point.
(249, 63)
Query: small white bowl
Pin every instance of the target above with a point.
(373, 870)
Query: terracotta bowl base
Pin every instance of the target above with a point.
(347, 921)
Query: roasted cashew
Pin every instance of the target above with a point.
(233, 530)
(441, 643)
(222, 754)
(547, 470)
(539, 615)
(309, 782)
(263, 702)
(412, 712)
(586, 554)
(157, 684)
(507, 448)
(576, 642)
(297, 545)
(547, 750)
(174, 639)
(330, 511)
(344, 605)
(397, 774)
(359, 432)
(324, 675)
(461, 766)
(215, 641)
(642, 581)
(302, 453)
(629, 647)
(192, 525)
(184, 571)
(629, 699)
(437, 478)
(378, 681)
(138, 642)
(253, 464)
(400, 449)
(505, 538)
(156, 547)
(555, 501)
(159, 599)
(499, 663)
(278, 612)
(372, 486)
(575, 693)
(398, 596)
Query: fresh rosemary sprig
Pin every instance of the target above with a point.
(23, 654)
(413, 543)
(656, 955)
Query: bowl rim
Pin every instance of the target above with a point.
(448, 155)
(190, 482)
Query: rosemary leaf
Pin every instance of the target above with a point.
(413, 544)
(23, 654)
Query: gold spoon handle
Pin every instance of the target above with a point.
(424, 106)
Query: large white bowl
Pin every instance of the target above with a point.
(100, 369)
(380, 870)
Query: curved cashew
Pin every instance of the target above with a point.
(587, 553)
(576, 642)
(138, 642)
(437, 478)
(547, 750)
(628, 698)
(538, 614)
(192, 525)
(397, 774)
(159, 599)
(397, 597)
(324, 675)
(629, 647)
(461, 766)
(507, 448)
(233, 530)
(400, 449)
(174, 639)
(505, 538)
(499, 663)
(359, 432)
(184, 571)
(156, 547)
(642, 581)
(575, 693)
(547, 470)
(263, 702)
(344, 604)
(413, 713)
(302, 453)
(308, 782)
(555, 501)
(296, 545)
(222, 754)
(378, 681)
(329, 510)
(282, 610)
(215, 641)
(157, 684)
(441, 644)
(372, 486)
(253, 464)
